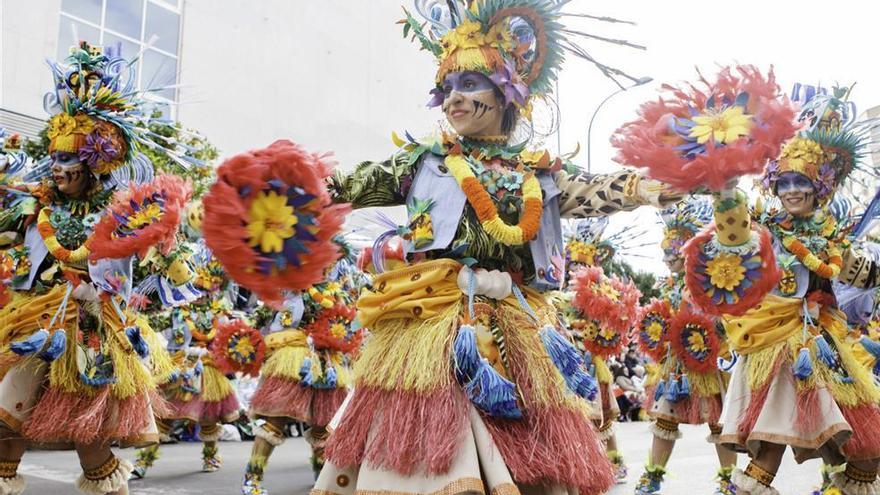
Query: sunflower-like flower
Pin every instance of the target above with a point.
(654, 331)
(608, 291)
(802, 155)
(696, 342)
(726, 271)
(272, 221)
(468, 34)
(723, 127)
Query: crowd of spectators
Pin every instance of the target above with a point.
(629, 372)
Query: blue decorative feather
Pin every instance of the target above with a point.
(33, 343)
(803, 365)
(137, 341)
(824, 352)
(57, 346)
(872, 347)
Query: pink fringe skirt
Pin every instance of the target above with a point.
(280, 397)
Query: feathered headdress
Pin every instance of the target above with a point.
(683, 221)
(830, 145)
(98, 115)
(518, 44)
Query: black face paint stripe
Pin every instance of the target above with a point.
(481, 108)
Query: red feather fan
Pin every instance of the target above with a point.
(663, 139)
(143, 216)
(331, 330)
(285, 170)
(653, 328)
(612, 303)
(694, 340)
(238, 348)
(761, 278)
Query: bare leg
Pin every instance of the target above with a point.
(103, 473)
(726, 456)
(269, 433)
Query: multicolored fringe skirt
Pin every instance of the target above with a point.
(60, 387)
(298, 385)
(214, 401)
(799, 385)
(688, 397)
(410, 428)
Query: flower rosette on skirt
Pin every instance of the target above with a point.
(653, 328)
(238, 347)
(269, 219)
(694, 340)
(709, 133)
(332, 329)
(729, 282)
(609, 307)
(141, 217)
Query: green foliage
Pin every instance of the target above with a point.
(199, 148)
(37, 149)
(644, 281)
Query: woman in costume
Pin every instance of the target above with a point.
(77, 363)
(306, 375)
(586, 248)
(685, 385)
(796, 382)
(454, 391)
(198, 296)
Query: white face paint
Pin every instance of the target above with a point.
(70, 175)
(471, 105)
(796, 193)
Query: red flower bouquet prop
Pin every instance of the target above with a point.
(706, 135)
(143, 216)
(238, 347)
(270, 220)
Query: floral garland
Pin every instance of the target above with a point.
(487, 212)
(47, 232)
(811, 261)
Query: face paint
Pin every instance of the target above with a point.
(466, 82)
(792, 181)
(69, 174)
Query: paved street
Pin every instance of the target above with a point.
(178, 470)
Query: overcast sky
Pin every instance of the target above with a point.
(805, 41)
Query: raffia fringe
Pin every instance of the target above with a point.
(215, 386)
(268, 436)
(12, 486)
(750, 485)
(850, 486)
(410, 354)
(117, 479)
(663, 433)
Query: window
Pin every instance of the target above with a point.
(134, 25)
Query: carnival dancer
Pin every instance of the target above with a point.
(796, 382)
(77, 362)
(306, 376)
(586, 247)
(454, 391)
(198, 295)
(685, 386)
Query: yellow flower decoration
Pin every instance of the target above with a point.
(271, 222)
(696, 342)
(724, 127)
(726, 271)
(145, 216)
(654, 331)
(61, 125)
(608, 291)
(581, 252)
(802, 155)
(244, 347)
(337, 330)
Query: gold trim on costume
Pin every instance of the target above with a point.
(759, 474)
(474, 485)
(855, 474)
(666, 425)
(8, 469)
(505, 489)
(103, 471)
